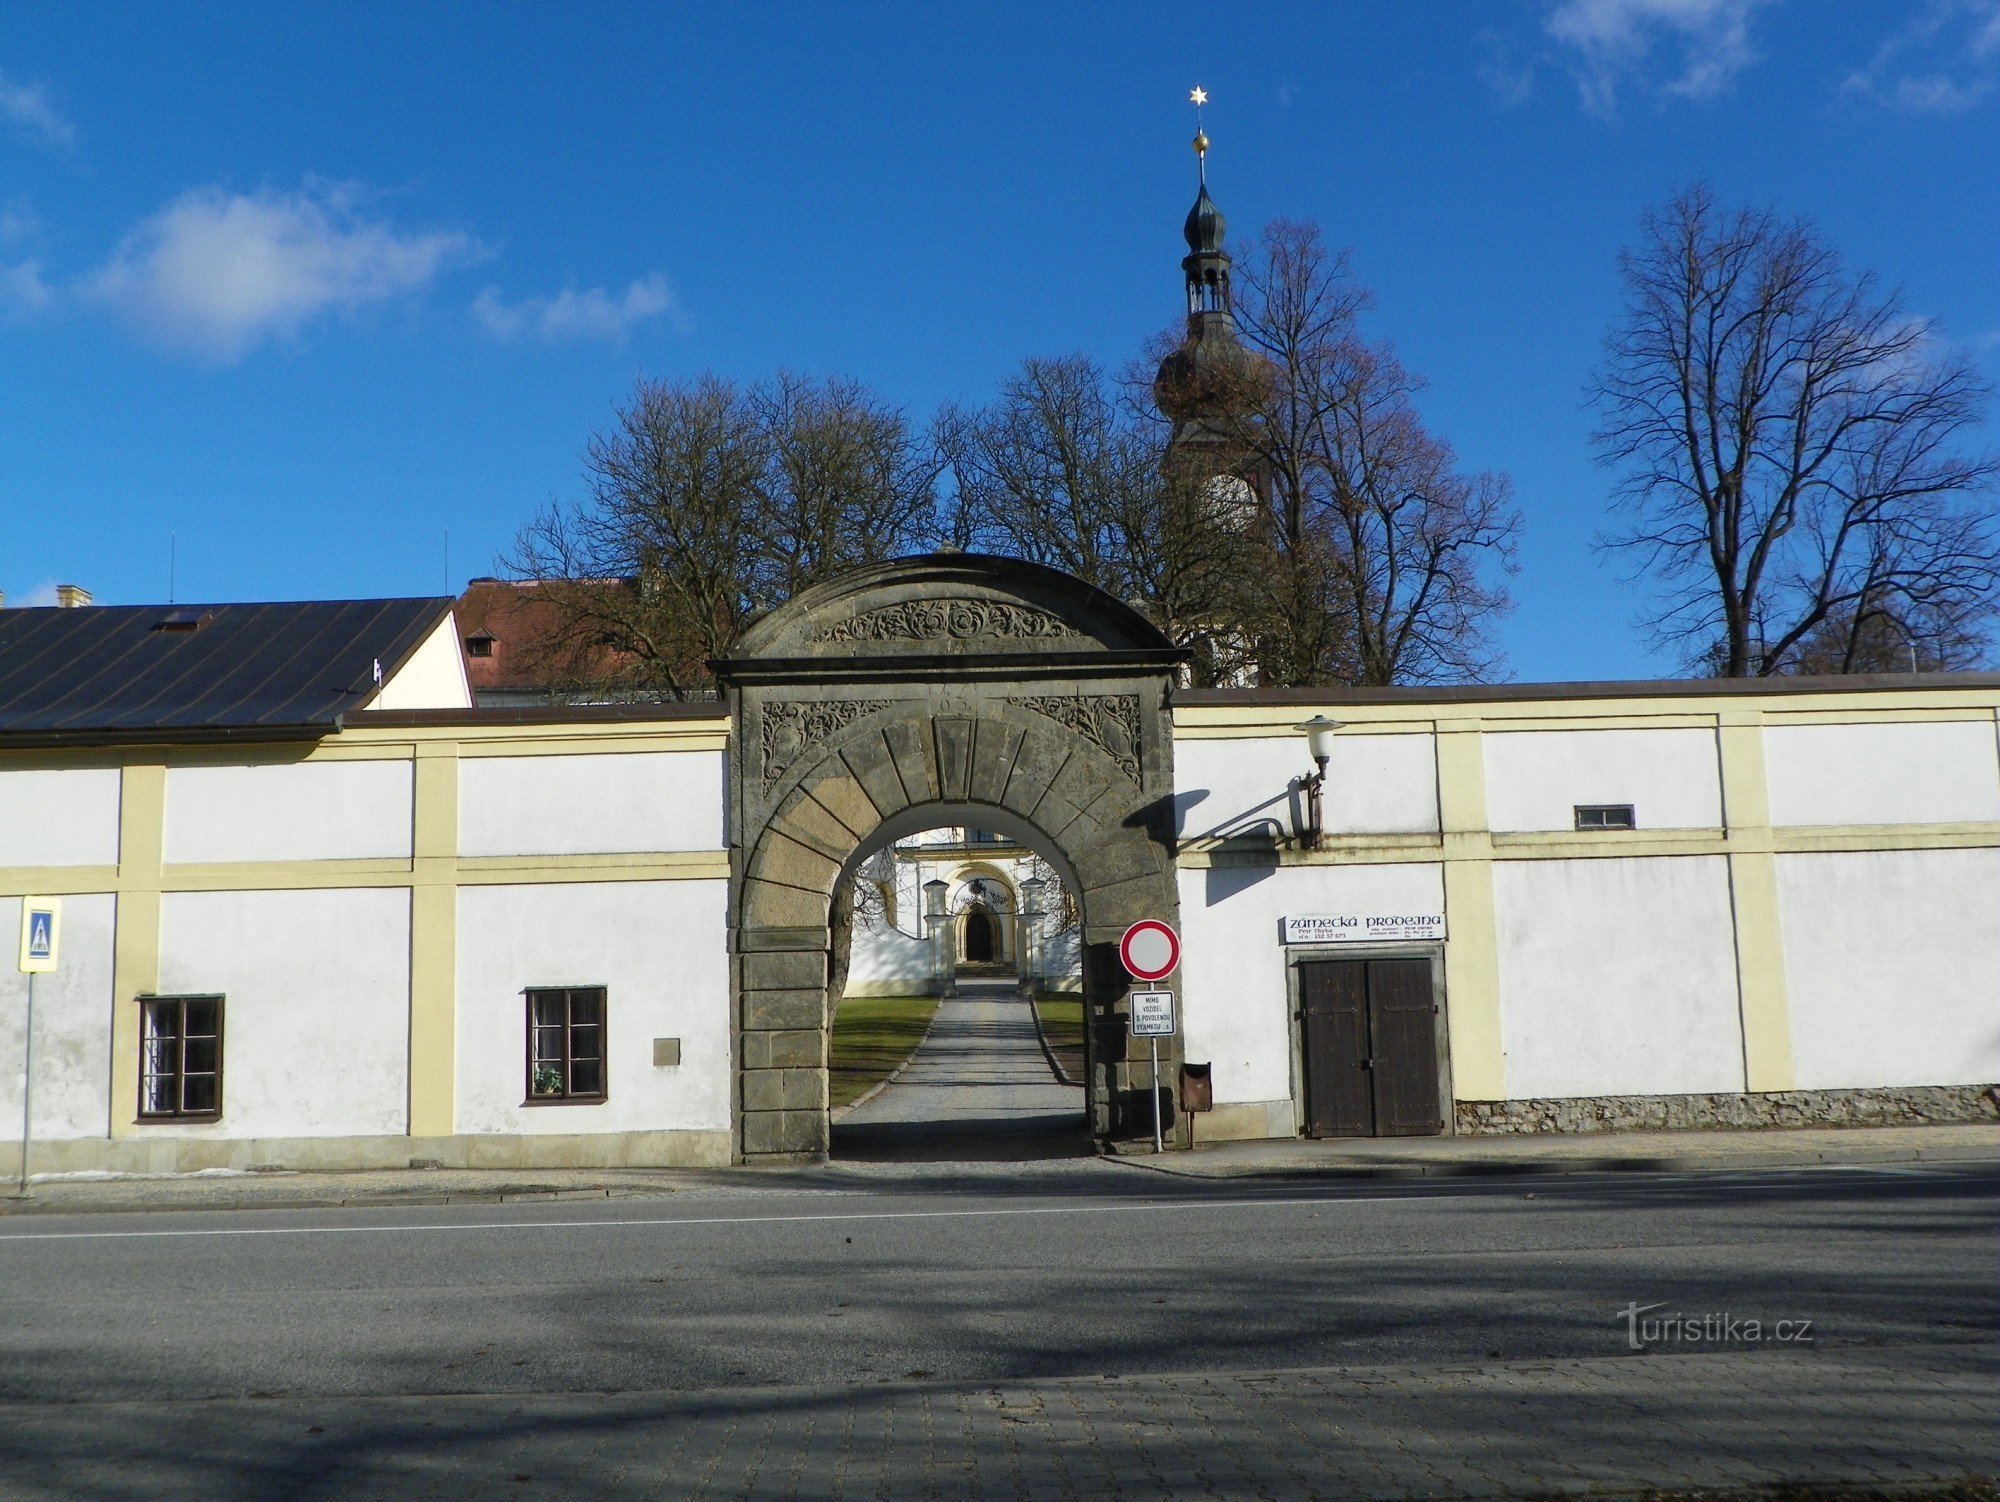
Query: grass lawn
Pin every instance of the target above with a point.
(1062, 1025)
(871, 1036)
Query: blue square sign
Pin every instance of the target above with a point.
(41, 934)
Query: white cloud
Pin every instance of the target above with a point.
(593, 314)
(41, 595)
(23, 292)
(18, 222)
(1944, 60)
(27, 105)
(1610, 42)
(217, 273)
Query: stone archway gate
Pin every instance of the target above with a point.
(943, 689)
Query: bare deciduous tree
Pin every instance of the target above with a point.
(1064, 468)
(1793, 447)
(1384, 546)
(709, 504)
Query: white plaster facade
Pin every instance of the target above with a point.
(288, 811)
(659, 949)
(1893, 959)
(58, 816)
(589, 804)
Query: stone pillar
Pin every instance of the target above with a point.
(782, 1031)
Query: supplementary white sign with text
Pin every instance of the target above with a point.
(1362, 928)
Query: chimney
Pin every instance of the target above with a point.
(69, 596)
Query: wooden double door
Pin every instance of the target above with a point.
(1370, 1046)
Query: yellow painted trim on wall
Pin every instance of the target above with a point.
(1471, 951)
(664, 865)
(1638, 711)
(283, 876)
(135, 942)
(434, 942)
(565, 738)
(1753, 887)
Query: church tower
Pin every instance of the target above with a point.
(1210, 387)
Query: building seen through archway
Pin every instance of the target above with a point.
(963, 947)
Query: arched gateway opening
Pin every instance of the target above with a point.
(947, 689)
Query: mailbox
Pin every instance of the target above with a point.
(1197, 1089)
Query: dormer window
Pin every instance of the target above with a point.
(480, 645)
(182, 621)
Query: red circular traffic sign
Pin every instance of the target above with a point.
(1150, 951)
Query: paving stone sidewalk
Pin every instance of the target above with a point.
(1876, 1416)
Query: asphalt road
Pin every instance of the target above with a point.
(879, 1274)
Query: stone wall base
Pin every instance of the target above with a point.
(168, 1153)
(1912, 1105)
(1244, 1120)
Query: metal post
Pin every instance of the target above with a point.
(27, 1080)
(1159, 1141)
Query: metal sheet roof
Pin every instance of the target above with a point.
(117, 671)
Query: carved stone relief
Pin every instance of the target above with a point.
(1109, 722)
(791, 728)
(959, 620)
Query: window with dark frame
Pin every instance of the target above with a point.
(1605, 816)
(180, 1057)
(479, 646)
(566, 1045)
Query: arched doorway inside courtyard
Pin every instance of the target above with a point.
(950, 689)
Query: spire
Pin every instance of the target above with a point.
(1207, 264)
(1206, 385)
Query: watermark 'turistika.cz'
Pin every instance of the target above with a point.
(1644, 1329)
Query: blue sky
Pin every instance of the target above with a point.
(309, 287)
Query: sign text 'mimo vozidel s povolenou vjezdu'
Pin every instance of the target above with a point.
(1362, 928)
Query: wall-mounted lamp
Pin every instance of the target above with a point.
(1319, 742)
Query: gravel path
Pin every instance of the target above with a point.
(978, 1087)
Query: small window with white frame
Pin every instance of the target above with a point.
(1606, 816)
(180, 1058)
(566, 1056)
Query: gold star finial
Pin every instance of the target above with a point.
(1199, 96)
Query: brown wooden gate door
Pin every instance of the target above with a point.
(1370, 1048)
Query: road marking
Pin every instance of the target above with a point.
(703, 1220)
(1489, 1190)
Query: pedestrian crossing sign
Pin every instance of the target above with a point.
(41, 933)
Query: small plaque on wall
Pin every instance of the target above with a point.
(1362, 928)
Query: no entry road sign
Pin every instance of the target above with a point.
(1150, 950)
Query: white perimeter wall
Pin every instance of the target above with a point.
(590, 804)
(1233, 966)
(885, 952)
(292, 811)
(61, 817)
(72, 1026)
(1617, 977)
(1535, 778)
(1883, 774)
(316, 1015)
(1892, 959)
(660, 948)
(1375, 784)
